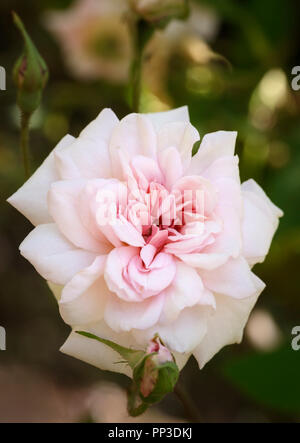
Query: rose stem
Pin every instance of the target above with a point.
(24, 142)
(136, 70)
(187, 402)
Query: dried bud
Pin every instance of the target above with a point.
(30, 73)
(159, 12)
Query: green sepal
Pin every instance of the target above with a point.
(165, 377)
(131, 356)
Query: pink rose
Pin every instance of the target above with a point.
(94, 38)
(136, 237)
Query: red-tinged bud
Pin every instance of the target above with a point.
(30, 73)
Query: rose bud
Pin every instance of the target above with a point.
(30, 73)
(157, 373)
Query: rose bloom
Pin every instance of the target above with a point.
(95, 38)
(188, 278)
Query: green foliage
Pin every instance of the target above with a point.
(271, 379)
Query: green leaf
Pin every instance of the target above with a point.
(131, 356)
(271, 379)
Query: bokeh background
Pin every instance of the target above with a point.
(231, 63)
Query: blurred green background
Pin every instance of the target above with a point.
(239, 79)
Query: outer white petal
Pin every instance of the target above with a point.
(181, 135)
(123, 315)
(229, 210)
(85, 158)
(160, 119)
(213, 145)
(31, 198)
(233, 279)
(182, 335)
(101, 128)
(52, 255)
(69, 215)
(185, 291)
(225, 326)
(203, 260)
(83, 299)
(96, 353)
(133, 135)
(259, 224)
(89, 156)
(55, 289)
(181, 358)
(103, 357)
(224, 167)
(171, 166)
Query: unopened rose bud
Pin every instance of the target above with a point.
(158, 355)
(160, 11)
(30, 73)
(157, 374)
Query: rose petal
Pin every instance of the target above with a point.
(101, 128)
(123, 316)
(31, 198)
(85, 158)
(204, 260)
(52, 255)
(83, 299)
(185, 291)
(96, 353)
(160, 119)
(213, 145)
(180, 135)
(171, 166)
(117, 260)
(55, 289)
(182, 335)
(226, 325)
(133, 135)
(233, 279)
(127, 233)
(259, 224)
(68, 214)
(223, 167)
